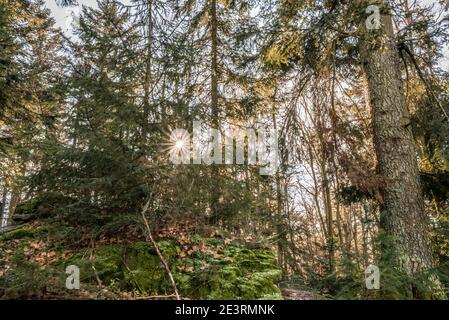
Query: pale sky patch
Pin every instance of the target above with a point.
(65, 16)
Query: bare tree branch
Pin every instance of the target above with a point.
(164, 262)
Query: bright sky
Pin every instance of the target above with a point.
(63, 16)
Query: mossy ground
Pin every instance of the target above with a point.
(25, 231)
(203, 268)
(221, 272)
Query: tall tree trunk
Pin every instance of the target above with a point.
(215, 187)
(334, 150)
(322, 159)
(147, 86)
(214, 61)
(279, 219)
(402, 215)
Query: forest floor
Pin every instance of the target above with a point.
(35, 255)
(294, 294)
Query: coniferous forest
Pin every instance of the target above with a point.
(224, 149)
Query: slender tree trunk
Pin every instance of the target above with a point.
(3, 208)
(215, 188)
(279, 218)
(402, 215)
(334, 152)
(214, 61)
(14, 201)
(147, 86)
(325, 189)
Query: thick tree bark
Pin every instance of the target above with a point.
(402, 215)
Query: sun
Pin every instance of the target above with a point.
(179, 141)
(179, 144)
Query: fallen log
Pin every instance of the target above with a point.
(9, 228)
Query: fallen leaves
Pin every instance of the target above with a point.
(185, 268)
(44, 258)
(39, 252)
(37, 245)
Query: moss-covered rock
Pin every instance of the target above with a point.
(209, 270)
(234, 272)
(25, 231)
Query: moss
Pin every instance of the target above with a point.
(239, 273)
(143, 267)
(234, 273)
(104, 262)
(24, 279)
(25, 231)
(130, 267)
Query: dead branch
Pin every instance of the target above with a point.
(164, 262)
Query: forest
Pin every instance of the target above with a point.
(224, 149)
